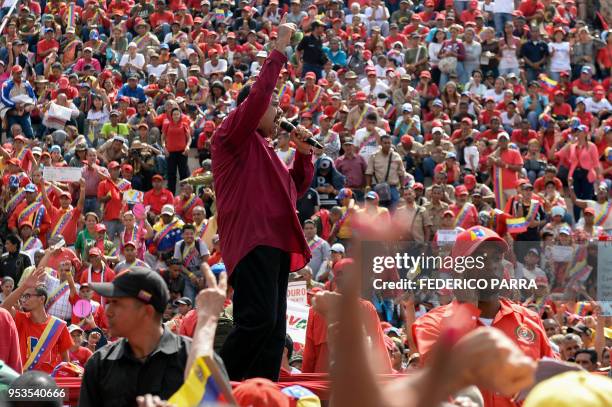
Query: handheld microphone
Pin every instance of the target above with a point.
(288, 127)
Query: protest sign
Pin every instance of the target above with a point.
(297, 319)
(297, 292)
(62, 174)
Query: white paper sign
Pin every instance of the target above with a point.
(62, 174)
(562, 254)
(297, 319)
(297, 292)
(447, 236)
(604, 278)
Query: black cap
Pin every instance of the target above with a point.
(141, 283)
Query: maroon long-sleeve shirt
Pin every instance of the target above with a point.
(256, 193)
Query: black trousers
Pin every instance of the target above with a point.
(176, 160)
(254, 348)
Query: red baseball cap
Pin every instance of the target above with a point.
(94, 251)
(467, 121)
(157, 177)
(113, 164)
(407, 139)
(468, 241)
(14, 161)
(361, 96)
(418, 185)
(100, 227)
(425, 74)
(589, 211)
(127, 168)
(20, 138)
(130, 243)
(260, 392)
(310, 75)
(469, 181)
(460, 190)
(448, 212)
(16, 69)
(24, 224)
(66, 194)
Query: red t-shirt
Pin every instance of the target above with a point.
(156, 200)
(156, 19)
(531, 338)
(81, 355)
(184, 209)
(112, 208)
(540, 184)
(45, 45)
(106, 276)
(30, 332)
(563, 109)
(529, 7)
(485, 116)
(9, 341)
(176, 135)
(521, 138)
(69, 228)
(509, 177)
(489, 134)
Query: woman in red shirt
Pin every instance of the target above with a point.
(585, 168)
(176, 139)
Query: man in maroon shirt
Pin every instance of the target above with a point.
(261, 239)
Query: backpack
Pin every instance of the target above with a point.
(225, 324)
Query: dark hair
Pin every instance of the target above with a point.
(551, 168)
(289, 346)
(188, 226)
(41, 291)
(173, 262)
(36, 380)
(244, 92)
(550, 183)
(14, 240)
(592, 353)
(372, 116)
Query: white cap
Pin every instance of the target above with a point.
(73, 328)
(437, 129)
(168, 210)
(262, 54)
(503, 134)
(36, 150)
(132, 44)
(338, 248)
(407, 107)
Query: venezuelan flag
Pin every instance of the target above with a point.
(547, 83)
(517, 225)
(199, 387)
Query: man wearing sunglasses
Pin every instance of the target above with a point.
(44, 340)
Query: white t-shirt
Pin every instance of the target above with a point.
(503, 6)
(156, 70)
(595, 107)
(221, 67)
(367, 149)
(497, 97)
(471, 155)
(138, 61)
(560, 60)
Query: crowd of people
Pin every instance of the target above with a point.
(441, 122)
